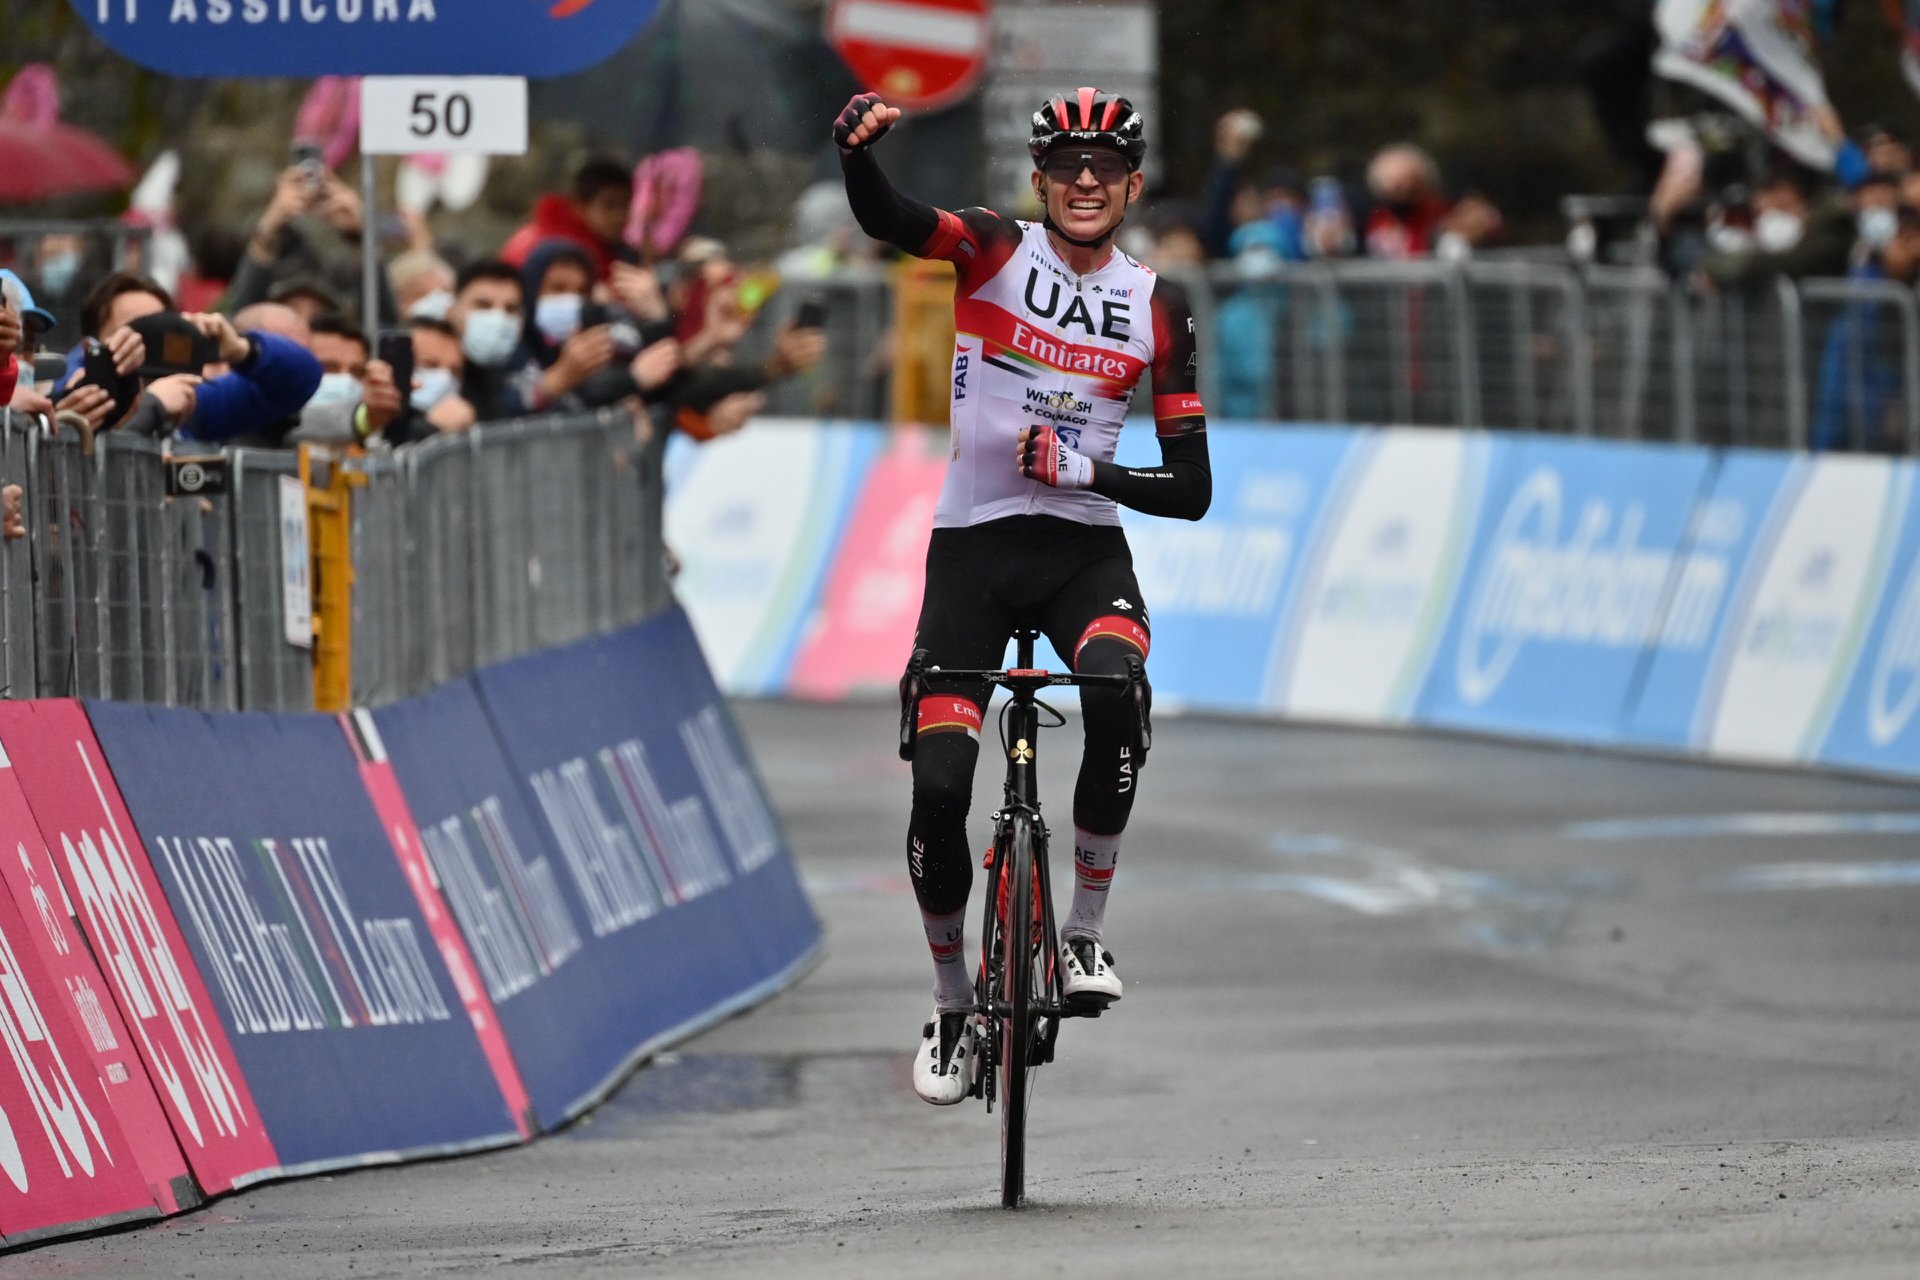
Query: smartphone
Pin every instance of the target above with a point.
(395, 346)
(307, 159)
(811, 315)
(174, 345)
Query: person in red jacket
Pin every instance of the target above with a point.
(593, 216)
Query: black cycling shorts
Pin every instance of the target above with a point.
(1073, 581)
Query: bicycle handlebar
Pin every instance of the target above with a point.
(1023, 683)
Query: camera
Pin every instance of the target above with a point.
(623, 327)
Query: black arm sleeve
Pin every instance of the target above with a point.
(1180, 487)
(883, 212)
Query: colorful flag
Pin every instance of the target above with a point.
(1756, 56)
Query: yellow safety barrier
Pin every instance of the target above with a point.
(330, 525)
(922, 341)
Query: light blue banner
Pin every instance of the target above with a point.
(1722, 533)
(1218, 589)
(1574, 564)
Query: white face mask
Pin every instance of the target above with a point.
(1776, 230)
(1877, 227)
(489, 337)
(557, 316)
(433, 306)
(336, 388)
(430, 387)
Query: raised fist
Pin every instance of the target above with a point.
(863, 122)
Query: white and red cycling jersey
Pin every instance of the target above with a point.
(1037, 345)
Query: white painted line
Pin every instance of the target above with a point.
(1710, 826)
(1823, 875)
(911, 26)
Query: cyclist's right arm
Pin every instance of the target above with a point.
(970, 239)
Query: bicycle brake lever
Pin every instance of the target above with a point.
(1137, 678)
(910, 685)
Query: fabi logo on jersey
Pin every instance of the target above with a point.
(960, 366)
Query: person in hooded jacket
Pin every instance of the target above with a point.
(592, 216)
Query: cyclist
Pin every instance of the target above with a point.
(1056, 328)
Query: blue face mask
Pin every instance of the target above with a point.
(335, 388)
(57, 272)
(557, 316)
(430, 387)
(489, 337)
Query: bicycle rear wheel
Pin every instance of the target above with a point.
(1016, 1025)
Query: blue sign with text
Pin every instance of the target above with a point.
(1575, 567)
(229, 38)
(637, 777)
(341, 1013)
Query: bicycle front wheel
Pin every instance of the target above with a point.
(1016, 1024)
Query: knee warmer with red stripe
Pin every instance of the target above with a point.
(1115, 748)
(947, 748)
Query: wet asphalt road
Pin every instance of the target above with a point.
(1396, 1006)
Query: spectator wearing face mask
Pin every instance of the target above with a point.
(1859, 397)
(592, 217)
(422, 284)
(1794, 234)
(438, 369)
(356, 400)
(558, 277)
(489, 314)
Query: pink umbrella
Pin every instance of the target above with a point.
(39, 156)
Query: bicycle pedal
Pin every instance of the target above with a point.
(1088, 1006)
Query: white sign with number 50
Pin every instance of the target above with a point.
(409, 115)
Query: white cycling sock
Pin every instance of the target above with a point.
(1093, 861)
(946, 939)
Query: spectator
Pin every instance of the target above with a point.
(307, 296)
(489, 310)
(310, 229)
(28, 324)
(422, 284)
(213, 258)
(438, 371)
(1793, 235)
(592, 217)
(1858, 405)
(558, 276)
(1406, 221)
(259, 380)
(1225, 195)
(327, 418)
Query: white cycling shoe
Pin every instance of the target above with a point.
(948, 1064)
(1087, 971)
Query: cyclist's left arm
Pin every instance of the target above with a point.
(1182, 485)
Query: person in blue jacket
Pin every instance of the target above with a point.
(260, 382)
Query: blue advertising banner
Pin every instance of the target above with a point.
(1217, 589)
(341, 1015)
(518, 908)
(629, 759)
(1875, 727)
(1730, 522)
(365, 37)
(1568, 584)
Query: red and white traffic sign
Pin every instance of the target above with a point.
(919, 54)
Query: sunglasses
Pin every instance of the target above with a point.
(1066, 166)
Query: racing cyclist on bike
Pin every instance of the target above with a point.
(1055, 329)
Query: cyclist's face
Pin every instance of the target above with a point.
(1086, 191)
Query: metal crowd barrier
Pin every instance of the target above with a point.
(130, 570)
(1499, 343)
(1599, 350)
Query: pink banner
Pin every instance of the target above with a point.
(53, 935)
(64, 1163)
(383, 788)
(864, 633)
(131, 929)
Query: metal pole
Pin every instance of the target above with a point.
(369, 250)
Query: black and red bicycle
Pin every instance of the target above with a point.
(1018, 988)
